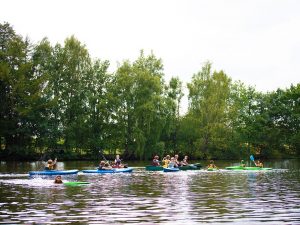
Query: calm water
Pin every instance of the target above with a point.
(141, 197)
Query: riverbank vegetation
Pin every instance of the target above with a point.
(56, 99)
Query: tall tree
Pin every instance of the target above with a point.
(208, 94)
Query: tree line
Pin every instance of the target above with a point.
(56, 99)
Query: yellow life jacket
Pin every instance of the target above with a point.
(166, 163)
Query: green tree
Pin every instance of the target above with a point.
(208, 95)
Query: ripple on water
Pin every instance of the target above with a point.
(186, 197)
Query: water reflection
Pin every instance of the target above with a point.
(142, 197)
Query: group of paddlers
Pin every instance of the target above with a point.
(170, 162)
(117, 163)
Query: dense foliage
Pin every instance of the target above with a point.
(57, 100)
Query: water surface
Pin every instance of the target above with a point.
(141, 197)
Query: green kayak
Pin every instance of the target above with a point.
(76, 183)
(256, 168)
(154, 168)
(245, 168)
(212, 169)
(235, 168)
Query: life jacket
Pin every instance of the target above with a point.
(166, 163)
(171, 165)
(117, 162)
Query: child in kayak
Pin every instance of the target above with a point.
(166, 161)
(212, 165)
(172, 163)
(185, 161)
(50, 165)
(176, 160)
(58, 180)
(101, 165)
(118, 162)
(155, 161)
(104, 166)
(242, 164)
(259, 164)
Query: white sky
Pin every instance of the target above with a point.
(255, 41)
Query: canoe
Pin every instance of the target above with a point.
(189, 167)
(246, 168)
(53, 172)
(122, 170)
(76, 183)
(154, 168)
(171, 169)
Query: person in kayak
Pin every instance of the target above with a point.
(155, 161)
(212, 165)
(185, 161)
(101, 165)
(107, 166)
(104, 166)
(172, 163)
(118, 162)
(259, 164)
(242, 164)
(166, 161)
(58, 180)
(51, 165)
(176, 160)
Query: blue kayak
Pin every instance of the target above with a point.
(171, 169)
(53, 172)
(122, 170)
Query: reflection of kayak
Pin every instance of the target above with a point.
(123, 170)
(53, 172)
(246, 168)
(77, 183)
(189, 167)
(171, 169)
(154, 168)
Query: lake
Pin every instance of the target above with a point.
(145, 197)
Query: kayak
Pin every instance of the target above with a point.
(154, 168)
(246, 168)
(75, 183)
(122, 170)
(234, 168)
(189, 167)
(53, 172)
(256, 168)
(171, 169)
(197, 165)
(212, 169)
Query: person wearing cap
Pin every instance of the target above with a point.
(50, 165)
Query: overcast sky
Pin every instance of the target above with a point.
(255, 41)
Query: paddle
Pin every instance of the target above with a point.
(100, 151)
(252, 159)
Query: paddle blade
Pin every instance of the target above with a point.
(251, 157)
